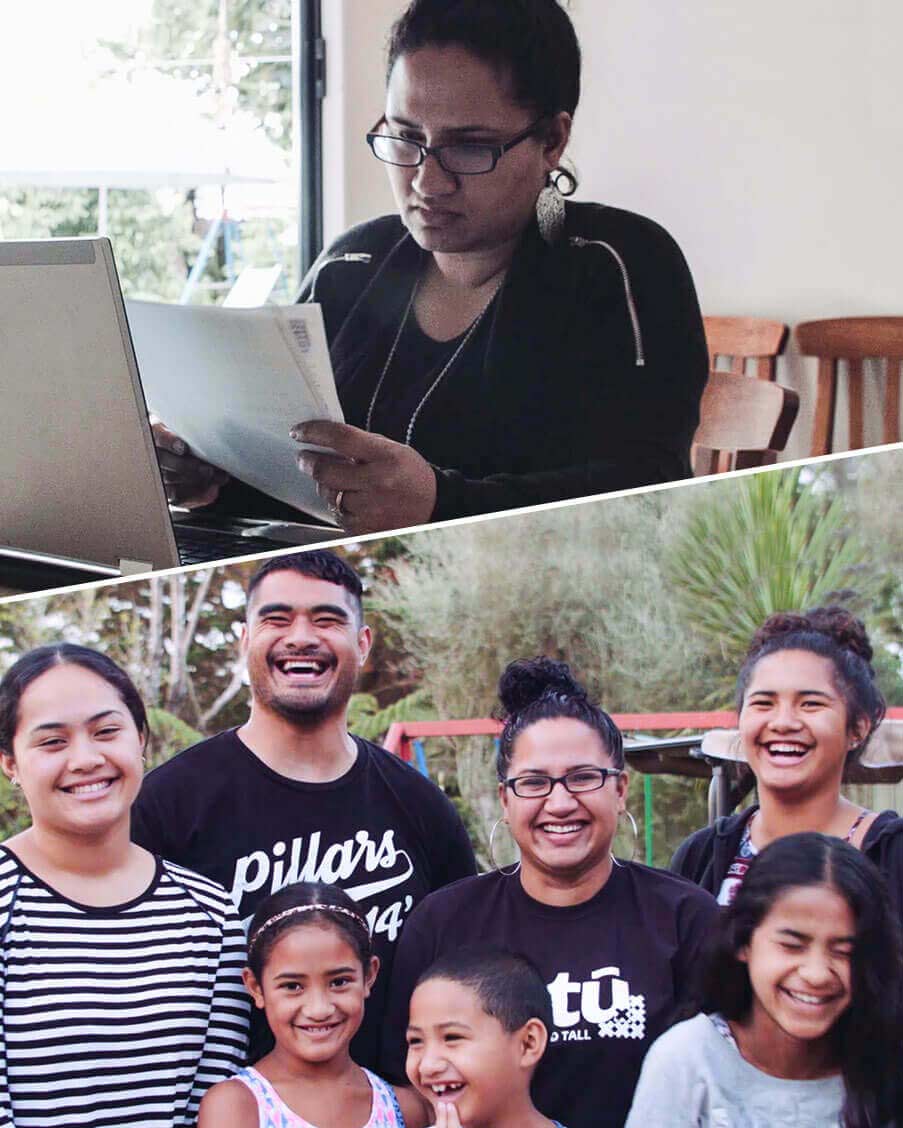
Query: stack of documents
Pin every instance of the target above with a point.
(232, 382)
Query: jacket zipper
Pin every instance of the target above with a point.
(358, 256)
(579, 241)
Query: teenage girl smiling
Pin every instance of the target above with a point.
(120, 973)
(808, 702)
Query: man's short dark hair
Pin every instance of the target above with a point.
(508, 985)
(321, 564)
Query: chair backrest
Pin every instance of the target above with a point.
(740, 339)
(742, 423)
(853, 339)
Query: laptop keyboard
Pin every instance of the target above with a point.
(200, 546)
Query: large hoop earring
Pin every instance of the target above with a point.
(636, 833)
(499, 869)
(564, 181)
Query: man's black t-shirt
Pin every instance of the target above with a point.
(616, 967)
(382, 832)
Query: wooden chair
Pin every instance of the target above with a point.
(742, 423)
(740, 339)
(853, 339)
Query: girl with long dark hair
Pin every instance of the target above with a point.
(801, 1017)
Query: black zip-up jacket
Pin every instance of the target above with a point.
(704, 857)
(590, 374)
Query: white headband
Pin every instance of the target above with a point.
(306, 909)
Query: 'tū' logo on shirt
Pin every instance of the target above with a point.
(623, 1016)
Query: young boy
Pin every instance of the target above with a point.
(478, 1027)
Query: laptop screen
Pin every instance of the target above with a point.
(82, 480)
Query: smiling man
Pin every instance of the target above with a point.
(291, 795)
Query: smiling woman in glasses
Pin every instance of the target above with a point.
(494, 346)
(614, 941)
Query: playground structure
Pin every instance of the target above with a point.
(694, 754)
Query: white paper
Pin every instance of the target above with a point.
(232, 382)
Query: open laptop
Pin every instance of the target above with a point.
(82, 488)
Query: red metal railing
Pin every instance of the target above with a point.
(402, 734)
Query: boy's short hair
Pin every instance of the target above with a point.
(508, 985)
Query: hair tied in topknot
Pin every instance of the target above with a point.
(836, 623)
(781, 623)
(837, 635)
(845, 628)
(539, 689)
(529, 679)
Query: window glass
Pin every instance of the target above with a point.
(165, 124)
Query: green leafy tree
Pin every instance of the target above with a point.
(372, 723)
(583, 584)
(13, 810)
(169, 735)
(879, 479)
(44, 213)
(238, 49)
(153, 246)
(770, 542)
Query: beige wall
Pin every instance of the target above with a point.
(766, 137)
(355, 186)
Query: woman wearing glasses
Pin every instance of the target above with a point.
(614, 941)
(493, 346)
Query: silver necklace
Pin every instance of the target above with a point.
(451, 360)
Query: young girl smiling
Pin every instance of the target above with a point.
(310, 969)
(802, 1022)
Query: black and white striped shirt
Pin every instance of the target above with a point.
(121, 1015)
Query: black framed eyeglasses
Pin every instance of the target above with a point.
(537, 785)
(460, 158)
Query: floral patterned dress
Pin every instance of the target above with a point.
(384, 1111)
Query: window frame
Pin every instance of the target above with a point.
(310, 48)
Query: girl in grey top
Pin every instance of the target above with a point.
(802, 997)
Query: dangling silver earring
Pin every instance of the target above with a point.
(636, 834)
(499, 869)
(14, 781)
(550, 213)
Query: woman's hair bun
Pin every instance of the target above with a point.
(836, 623)
(527, 679)
(845, 628)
